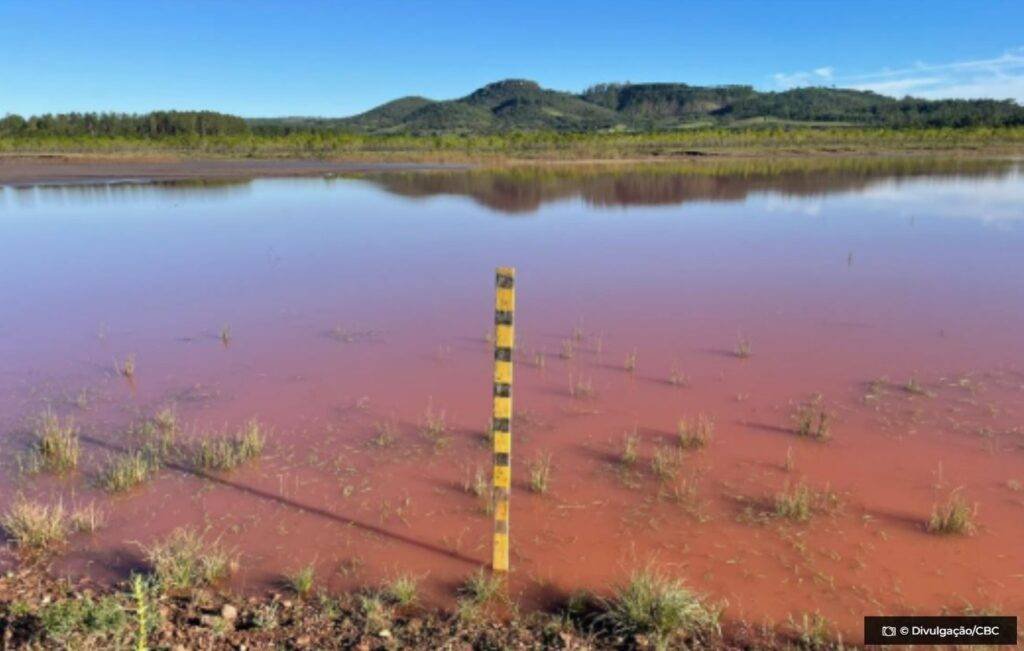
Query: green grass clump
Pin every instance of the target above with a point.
(402, 590)
(124, 472)
(158, 435)
(55, 447)
(185, 561)
(482, 587)
(69, 620)
(812, 420)
(230, 452)
(34, 526)
(661, 608)
(795, 503)
(956, 516)
(301, 582)
(540, 474)
(696, 434)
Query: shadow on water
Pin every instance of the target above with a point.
(299, 506)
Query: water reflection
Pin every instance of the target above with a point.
(526, 189)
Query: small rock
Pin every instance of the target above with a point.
(229, 613)
(386, 634)
(287, 603)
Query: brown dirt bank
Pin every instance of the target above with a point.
(31, 169)
(41, 611)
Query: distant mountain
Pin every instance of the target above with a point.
(522, 105)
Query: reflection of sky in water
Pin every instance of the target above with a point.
(996, 200)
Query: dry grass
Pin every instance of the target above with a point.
(540, 474)
(630, 363)
(568, 350)
(915, 388)
(35, 526)
(126, 368)
(813, 420)
(796, 503)
(87, 519)
(385, 435)
(956, 516)
(665, 463)
(630, 443)
(185, 561)
(55, 446)
(676, 377)
(743, 348)
(696, 434)
(581, 388)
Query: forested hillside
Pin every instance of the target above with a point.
(518, 105)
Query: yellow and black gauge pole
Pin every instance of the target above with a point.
(501, 423)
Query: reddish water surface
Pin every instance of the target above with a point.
(355, 302)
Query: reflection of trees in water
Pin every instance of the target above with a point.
(525, 189)
(131, 190)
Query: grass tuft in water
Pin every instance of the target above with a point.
(743, 348)
(956, 516)
(35, 526)
(660, 608)
(630, 443)
(55, 446)
(126, 368)
(125, 471)
(229, 452)
(630, 363)
(915, 388)
(665, 463)
(87, 519)
(402, 590)
(540, 474)
(796, 503)
(813, 420)
(696, 434)
(581, 388)
(301, 582)
(482, 587)
(385, 435)
(185, 561)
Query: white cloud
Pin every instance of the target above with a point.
(1000, 77)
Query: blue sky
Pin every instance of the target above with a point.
(337, 58)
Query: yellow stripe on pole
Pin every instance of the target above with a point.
(501, 424)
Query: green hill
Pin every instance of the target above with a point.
(519, 105)
(523, 105)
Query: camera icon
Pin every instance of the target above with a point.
(888, 631)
